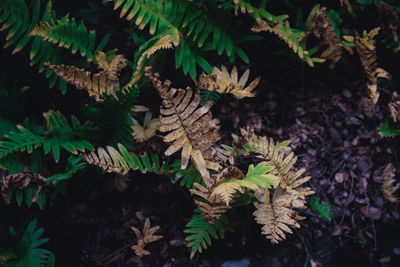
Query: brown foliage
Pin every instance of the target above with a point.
(145, 237)
(21, 181)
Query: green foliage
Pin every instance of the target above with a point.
(122, 161)
(15, 16)
(187, 176)
(68, 34)
(59, 134)
(388, 129)
(23, 248)
(200, 232)
(323, 209)
(207, 95)
(74, 165)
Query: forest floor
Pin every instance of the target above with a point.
(333, 131)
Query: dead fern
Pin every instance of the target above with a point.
(21, 181)
(278, 214)
(322, 28)
(191, 127)
(144, 132)
(275, 155)
(223, 82)
(389, 187)
(104, 82)
(394, 107)
(144, 237)
(211, 206)
(365, 46)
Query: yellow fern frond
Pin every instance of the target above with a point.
(110, 62)
(165, 42)
(389, 187)
(278, 215)
(95, 84)
(109, 159)
(191, 127)
(365, 47)
(144, 132)
(223, 82)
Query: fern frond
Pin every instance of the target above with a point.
(211, 206)
(122, 161)
(95, 84)
(148, 130)
(365, 47)
(145, 51)
(29, 184)
(257, 177)
(279, 214)
(388, 129)
(192, 129)
(24, 140)
(158, 15)
(223, 82)
(68, 34)
(15, 16)
(24, 248)
(394, 107)
(275, 155)
(200, 232)
(389, 187)
(144, 237)
(322, 28)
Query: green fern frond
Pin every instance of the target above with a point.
(24, 248)
(200, 232)
(158, 15)
(74, 165)
(68, 34)
(387, 129)
(323, 209)
(59, 134)
(15, 16)
(207, 95)
(187, 176)
(24, 140)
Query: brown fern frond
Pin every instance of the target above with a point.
(95, 84)
(394, 107)
(108, 159)
(365, 47)
(211, 206)
(224, 83)
(389, 187)
(21, 181)
(144, 237)
(278, 215)
(322, 28)
(275, 155)
(191, 127)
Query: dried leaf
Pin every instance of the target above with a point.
(21, 181)
(191, 128)
(389, 186)
(224, 83)
(148, 130)
(145, 237)
(279, 214)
